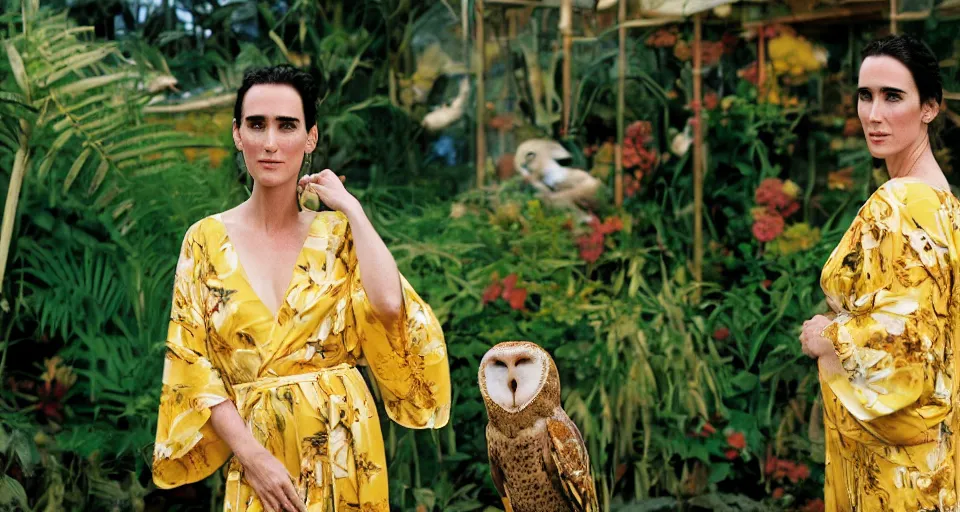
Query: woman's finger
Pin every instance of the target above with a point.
(294, 498)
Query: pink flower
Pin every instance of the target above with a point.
(766, 228)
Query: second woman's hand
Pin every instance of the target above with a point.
(812, 342)
(271, 481)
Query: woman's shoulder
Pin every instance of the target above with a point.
(201, 228)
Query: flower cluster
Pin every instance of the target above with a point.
(794, 56)
(591, 245)
(506, 290)
(736, 443)
(639, 154)
(776, 200)
(781, 469)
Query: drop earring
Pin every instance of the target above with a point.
(307, 164)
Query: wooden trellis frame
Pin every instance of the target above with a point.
(566, 7)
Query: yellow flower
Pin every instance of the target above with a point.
(798, 237)
(791, 189)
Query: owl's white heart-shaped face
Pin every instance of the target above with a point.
(513, 376)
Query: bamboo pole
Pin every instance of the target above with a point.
(621, 103)
(761, 60)
(893, 16)
(566, 30)
(481, 96)
(697, 154)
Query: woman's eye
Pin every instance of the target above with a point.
(864, 96)
(893, 97)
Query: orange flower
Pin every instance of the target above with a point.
(707, 430)
(778, 493)
(815, 505)
(737, 440)
(841, 179)
(721, 333)
(731, 454)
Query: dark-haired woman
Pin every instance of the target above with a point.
(273, 308)
(887, 360)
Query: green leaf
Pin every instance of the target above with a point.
(12, 493)
(720, 472)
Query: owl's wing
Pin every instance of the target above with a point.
(568, 464)
(497, 473)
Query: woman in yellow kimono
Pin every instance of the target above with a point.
(273, 309)
(887, 360)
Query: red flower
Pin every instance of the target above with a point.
(50, 396)
(493, 291)
(707, 430)
(721, 333)
(815, 505)
(737, 440)
(766, 283)
(767, 227)
(730, 40)
(509, 282)
(710, 52)
(516, 298)
(778, 493)
(635, 152)
(790, 209)
(711, 100)
(505, 290)
(611, 225)
(751, 73)
(591, 246)
(731, 454)
(799, 472)
(630, 185)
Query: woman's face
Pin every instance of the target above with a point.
(889, 107)
(271, 134)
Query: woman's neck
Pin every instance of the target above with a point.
(915, 161)
(273, 209)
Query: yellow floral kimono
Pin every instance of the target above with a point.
(293, 376)
(889, 416)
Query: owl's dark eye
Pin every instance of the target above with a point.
(500, 364)
(524, 360)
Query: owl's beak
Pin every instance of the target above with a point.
(512, 382)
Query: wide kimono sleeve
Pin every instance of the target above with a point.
(408, 360)
(187, 449)
(890, 280)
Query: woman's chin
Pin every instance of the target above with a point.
(273, 179)
(880, 153)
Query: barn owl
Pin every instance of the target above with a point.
(538, 459)
(563, 187)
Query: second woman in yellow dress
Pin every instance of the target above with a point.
(887, 361)
(273, 309)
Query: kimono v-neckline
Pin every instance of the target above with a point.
(245, 277)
